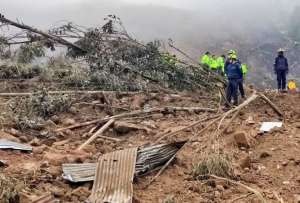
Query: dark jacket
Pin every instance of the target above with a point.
(281, 64)
(233, 70)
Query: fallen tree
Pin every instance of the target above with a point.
(119, 62)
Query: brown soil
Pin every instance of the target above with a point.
(273, 166)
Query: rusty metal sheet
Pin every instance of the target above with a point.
(6, 144)
(79, 172)
(114, 177)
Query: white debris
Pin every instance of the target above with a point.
(267, 126)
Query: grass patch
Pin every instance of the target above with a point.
(213, 164)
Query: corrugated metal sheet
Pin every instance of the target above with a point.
(79, 172)
(6, 144)
(48, 198)
(152, 157)
(114, 177)
(148, 159)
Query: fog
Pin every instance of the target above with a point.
(194, 25)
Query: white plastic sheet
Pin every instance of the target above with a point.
(267, 126)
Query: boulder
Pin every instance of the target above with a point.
(241, 139)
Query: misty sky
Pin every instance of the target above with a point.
(188, 22)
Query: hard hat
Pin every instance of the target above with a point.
(233, 56)
(280, 50)
(231, 52)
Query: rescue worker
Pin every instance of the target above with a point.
(233, 71)
(281, 69)
(206, 59)
(214, 63)
(230, 53)
(241, 80)
(221, 63)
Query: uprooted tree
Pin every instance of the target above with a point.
(116, 61)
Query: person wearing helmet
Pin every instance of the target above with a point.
(206, 59)
(281, 69)
(233, 71)
(230, 53)
(221, 64)
(214, 63)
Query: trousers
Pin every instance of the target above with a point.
(241, 87)
(232, 91)
(281, 79)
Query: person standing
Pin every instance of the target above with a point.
(241, 80)
(206, 59)
(221, 64)
(281, 69)
(233, 72)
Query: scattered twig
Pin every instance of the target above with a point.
(257, 193)
(241, 197)
(98, 134)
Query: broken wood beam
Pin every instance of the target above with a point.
(163, 136)
(133, 113)
(98, 134)
(266, 99)
(28, 94)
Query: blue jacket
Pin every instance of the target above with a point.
(281, 63)
(233, 70)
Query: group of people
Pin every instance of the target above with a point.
(232, 68)
(235, 71)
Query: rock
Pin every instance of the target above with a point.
(220, 188)
(285, 163)
(49, 124)
(55, 171)
(229, 130)
(4, 135)
(297, 198)
(138, 101)
(57, 192)
(24, 138)
(286, 182)
(56, 159)
(245, 162)
(241, 139)
(73, 110)
(123, 127)
(68, 121)
(40, 149)
(55, 119)
(44, 164)
(250, 120)
(35, 142)
(81, 193)
(157, 116)
(264, 155)
(61, 143)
